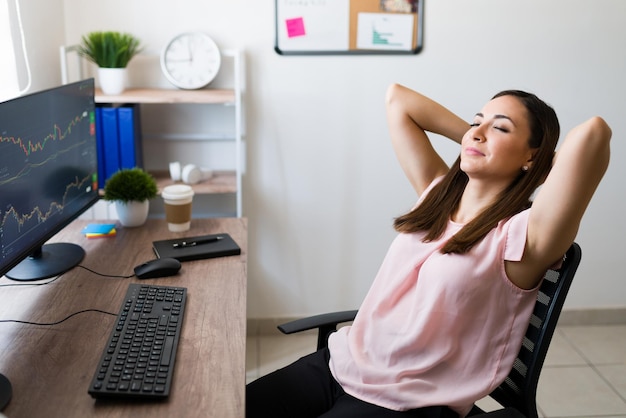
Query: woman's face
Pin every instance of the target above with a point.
(496, 145)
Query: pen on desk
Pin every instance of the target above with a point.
(187, 244)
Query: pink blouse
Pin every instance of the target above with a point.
(436, 329)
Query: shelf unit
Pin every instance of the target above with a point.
(222, 181)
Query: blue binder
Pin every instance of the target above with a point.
(129, 131)
(110, 141)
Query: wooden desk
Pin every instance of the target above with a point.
(50, 367)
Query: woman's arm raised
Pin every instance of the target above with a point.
(410, 115)
(579, 165)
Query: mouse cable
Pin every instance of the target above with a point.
(31, 283)
(57, 322)
(59, 276)
(105, 275)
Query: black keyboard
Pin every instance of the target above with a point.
(138, 359)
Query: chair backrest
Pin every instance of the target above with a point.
(519, 390)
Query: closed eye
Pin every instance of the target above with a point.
(495, 117)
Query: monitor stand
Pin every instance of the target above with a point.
(48, 261)
(5, 392)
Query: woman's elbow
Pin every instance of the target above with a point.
(602, 136)
(393, 91)
(596, 135)
(601, 128)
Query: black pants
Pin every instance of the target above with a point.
(306, 388)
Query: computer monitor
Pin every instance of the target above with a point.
(48, 177)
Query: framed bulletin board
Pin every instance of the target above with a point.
(325, 27)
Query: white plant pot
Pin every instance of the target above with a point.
(132, 213)
(112, 80)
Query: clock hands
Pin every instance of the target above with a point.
(190, 60)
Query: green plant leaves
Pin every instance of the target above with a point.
(130, 184)
(109, 49)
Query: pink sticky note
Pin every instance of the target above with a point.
(295, 27)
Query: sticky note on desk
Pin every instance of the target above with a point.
(112, 233)
(99, 230)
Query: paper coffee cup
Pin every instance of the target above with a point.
(177, 200)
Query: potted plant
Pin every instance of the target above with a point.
(111, 52)
(131, 189)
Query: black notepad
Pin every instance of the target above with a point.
(196, 248)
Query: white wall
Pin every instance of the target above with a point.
(42, 25)
(322, 185)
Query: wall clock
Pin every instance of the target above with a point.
(190, 60)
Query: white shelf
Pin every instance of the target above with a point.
(170, 96)
(222, 181)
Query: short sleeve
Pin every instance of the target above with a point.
(516, 236)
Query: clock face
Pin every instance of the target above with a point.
(190, 60)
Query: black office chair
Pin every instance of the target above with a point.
(517, 394)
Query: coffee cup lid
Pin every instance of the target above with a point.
(177, 191)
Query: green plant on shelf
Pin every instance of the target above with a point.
(109, 49)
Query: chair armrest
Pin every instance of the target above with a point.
(325, 323)
(317, 321)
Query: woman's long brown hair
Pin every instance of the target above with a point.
(434, 212)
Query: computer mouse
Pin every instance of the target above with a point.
(160, 267)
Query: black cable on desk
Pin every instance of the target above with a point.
(17, 321)
(69, 316)
(59, 276)
(106, 275)
(32, 284)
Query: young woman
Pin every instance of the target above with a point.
(444, 319)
